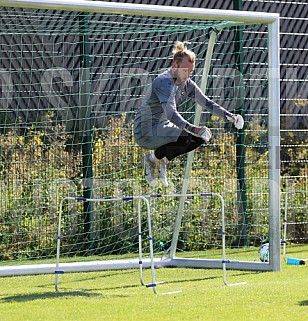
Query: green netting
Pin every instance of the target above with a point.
(71, 83)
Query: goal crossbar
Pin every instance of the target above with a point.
(145, 10)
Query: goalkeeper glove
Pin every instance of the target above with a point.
(202, 132)
(237, 120)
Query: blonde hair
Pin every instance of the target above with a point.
(180, 51)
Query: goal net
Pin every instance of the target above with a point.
(72, 78)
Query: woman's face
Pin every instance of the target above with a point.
(182, 70)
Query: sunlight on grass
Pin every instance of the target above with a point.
(195, 294)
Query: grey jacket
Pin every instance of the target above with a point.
(157, 121)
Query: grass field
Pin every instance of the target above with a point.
(117, 295)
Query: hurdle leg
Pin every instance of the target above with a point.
(140, 242)
(57, 270)
(153, 284)
(224, 259)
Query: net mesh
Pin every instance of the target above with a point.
(71, 84)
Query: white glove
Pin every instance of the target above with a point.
(202, 132)
(237, 120)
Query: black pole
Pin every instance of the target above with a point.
(86, 127)
(240, 137)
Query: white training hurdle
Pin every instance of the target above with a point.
(125, 264)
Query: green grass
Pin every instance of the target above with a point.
(117, 295)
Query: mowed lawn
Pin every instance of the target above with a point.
(187, 294)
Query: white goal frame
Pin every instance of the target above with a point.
(238, 18)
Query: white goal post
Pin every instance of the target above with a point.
(233, 18)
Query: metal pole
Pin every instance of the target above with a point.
(274, 144)
(204, 79)
(240, 137)
(190, 156)
(85, 126)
